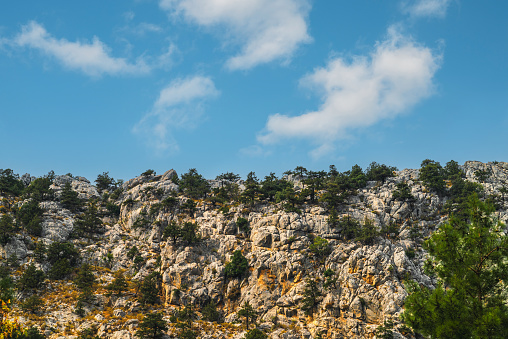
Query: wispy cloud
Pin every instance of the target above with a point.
(179, 106)
(358, 93)
(426, 8)
(266, 30)
(92, 58)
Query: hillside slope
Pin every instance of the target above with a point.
(293, 250)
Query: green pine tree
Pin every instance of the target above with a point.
(470, 261)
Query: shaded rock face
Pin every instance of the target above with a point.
(365, 286)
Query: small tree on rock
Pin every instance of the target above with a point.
(31, 279)
(118, 285)
(311, 295)
(238, 265)
(248, 313)
(69, 198)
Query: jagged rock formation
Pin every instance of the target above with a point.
(365, 286)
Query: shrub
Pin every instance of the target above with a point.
(85, 279)
(89, 333)
(189, 232)
(132, 252)
(31, 333)
(385, 331)
(173, 231)
(32, 304)
(113, 209)
(6, 285)
(89, 224)
(10, 183)
(331, 279)
(148, 173)
(256, 334)
(368, 233)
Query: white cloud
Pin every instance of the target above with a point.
(266, 30)
(90, 58)
(393, 78)
(429, 8)
(179, 106)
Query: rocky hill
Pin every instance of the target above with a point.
(314, 268)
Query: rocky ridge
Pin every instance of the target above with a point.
(369, 286)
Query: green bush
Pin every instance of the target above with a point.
(320, 248)
(256, 334)
(403, 193)
(31, 333)
(32, 304)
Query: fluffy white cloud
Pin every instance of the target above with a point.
(179, 106)
(266, 30)
(359, 93)
(422, 8)
(90, 58)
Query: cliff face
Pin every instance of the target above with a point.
(360, 285)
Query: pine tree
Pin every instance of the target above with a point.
(31, 279)
(69, 198)
(248, 313)
(152, 326)
(7, 229)
(89, 224)
(149, 290)
(118, 285)
(311, 296)
(470, 261)
(237, 266)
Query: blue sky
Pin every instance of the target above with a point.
(254, 85)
